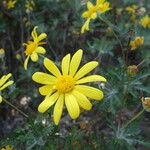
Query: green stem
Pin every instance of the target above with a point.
(134, 118)
(141, 63)
(109, 24)
(15, 108)
(42, 56)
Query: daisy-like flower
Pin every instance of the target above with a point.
(101, 6)
(33, 48)
(11, 4)
(68, 87)
(146, 103)
(132, 9)
(7, 148)
(4, 83)
(145, 22)
(30, 5)
(137, 42)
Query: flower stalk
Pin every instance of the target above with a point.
(134, 118)
(17, 109)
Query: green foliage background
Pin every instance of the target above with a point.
(102, 128)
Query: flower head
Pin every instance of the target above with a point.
(146, 103)
(29, 6)
(7, 148)
(2, 52)
(137, 42)
(101, 6)
(34, 47)
(68, 87)
(132, 70)
(132, 9)
(145, 22)
(11, 4)
(4, 83)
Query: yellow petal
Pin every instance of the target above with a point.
(34, 57)
(75, 62)
(65, 64)
(51, 67)
(85, 26)
(43, 78)
(1, 98)
(4, 79)
(85, 14)
(91, 78)
(6, 85)
(40, 50)
(86, 69)
(72, 106)
(58, 109)
(26, 62)
(98, 2)
(41, 37)
(82, 100)
(48, 102)
(34, 33)
(46, 89)
(90, 92)
(89, 5)
(94, 15)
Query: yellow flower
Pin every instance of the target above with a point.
(29, 6)
(7, 148)
(137, 42)
(18, 56)
(33, 47)
(132, 70)
(146, 103)
(68, 87)
(4, 84)
(145, 22)
(2, 52)
(101, 6)
(133, 18)
(11, 4)
(132, 9)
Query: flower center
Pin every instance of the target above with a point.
(65, 84)
(148, 103)
(31, 48)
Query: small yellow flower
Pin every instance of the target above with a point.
(4, 84)
(132, 70)
(146, 103)
(7, 148)
(132, 9)
(33, 47)
(133, 18)
(137, 42)
(145, 22)
(101, 6)
(11, 4)
(18, 56)
(2, 52)
(29, 6)
(68, 87)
